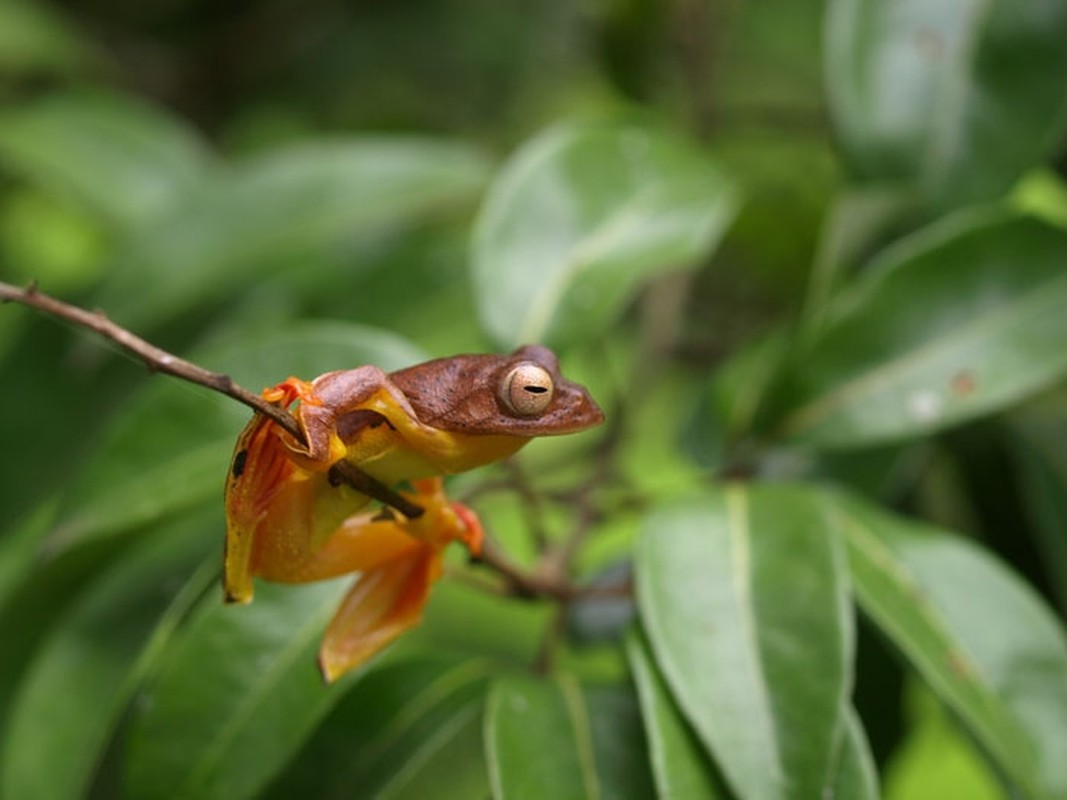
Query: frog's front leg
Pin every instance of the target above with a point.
(345, 407)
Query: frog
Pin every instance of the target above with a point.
(289, 520)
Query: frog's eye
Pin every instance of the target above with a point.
(527, 390)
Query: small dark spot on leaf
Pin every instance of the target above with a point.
(931, 44)
(959, 666)
(963, 383)
(239, 463)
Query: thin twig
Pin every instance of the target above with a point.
(520, 583)
(535, 512)
(159, 360)
(543, 583)
(548, 652)
(556, 561)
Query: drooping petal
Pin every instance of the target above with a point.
(384, 603)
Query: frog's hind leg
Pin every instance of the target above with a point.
(361, 543)
(384, 603)
(258, 469)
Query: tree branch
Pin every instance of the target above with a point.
(158, 360)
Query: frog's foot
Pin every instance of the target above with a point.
(472, 533)
(384, 603)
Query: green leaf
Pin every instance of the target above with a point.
(37, 593)
(34, 37)
(555, 738)
(579, 218)
(957, 321)
(855, 224)
(404, 725)
(170, 448)
(743, 595)
(122, 158)
(980, 638)
(18, 547)
(736, 395)
(857, 776)
(956, 97)
(237, 696)
(280, 209)
(450, 764)
(89, 667)
(1042, 194)
(680, 767)
(1038, 446)
(936, 760)
(47, 239)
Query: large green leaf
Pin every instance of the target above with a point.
(858, 221)
(1042, 194)
(237, 696)
(743, 595)
(90, 666)
(958, 97)
(937, 759)
(35, 37)
(555, 738)
(404, 725)
(1038, 445)
(957, 321)
(282, 209)
(580, 217)
(120, 157)
(450, 764)
(857, 776)
(680, 767)
(170, 449)
(980, 638)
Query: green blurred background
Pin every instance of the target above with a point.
(292, 187)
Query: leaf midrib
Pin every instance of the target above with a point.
(881, 557)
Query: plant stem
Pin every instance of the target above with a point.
(159, 360)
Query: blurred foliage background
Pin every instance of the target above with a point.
(810, 256)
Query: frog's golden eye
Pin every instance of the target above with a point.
(527, 390)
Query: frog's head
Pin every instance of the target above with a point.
(522, 394)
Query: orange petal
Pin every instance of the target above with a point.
(384, 603)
